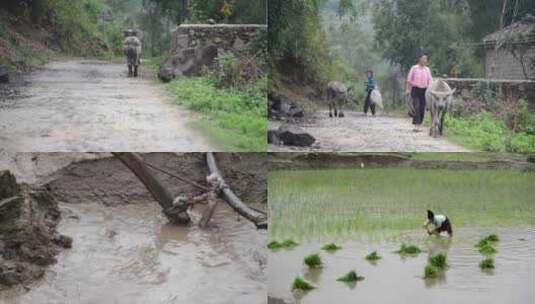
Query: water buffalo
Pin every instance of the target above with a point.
(132, 51)
(337, 96)
(438, 98)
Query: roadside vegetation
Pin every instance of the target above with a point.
(234, 118)
(488, 123)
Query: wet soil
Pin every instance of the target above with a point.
(125, 251)
(473, 161)
(88, 105)
(29, 241)
(359, 133)
(394, 279)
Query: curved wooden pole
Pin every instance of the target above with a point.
(257, 218)
(135, 163)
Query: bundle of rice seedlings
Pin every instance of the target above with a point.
(301, 284)
(331, 247)
(373, 257)
(438, 261)
(273, 245)
(350, 277)
(493, 238)
(408, 249)
(430, 271)
(487, 263)
(313, 261)
(289, 243)
(487, 249)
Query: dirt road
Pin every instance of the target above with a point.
(82, 105)
(358, 133)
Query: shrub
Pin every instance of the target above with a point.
(350, 277)
(301, 284)
(313, 261)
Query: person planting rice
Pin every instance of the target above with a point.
(439, 222)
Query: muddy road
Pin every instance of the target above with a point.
(125, 251)
(87, 105)
(358, 133)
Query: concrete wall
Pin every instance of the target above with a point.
(502, 65)
(197, 45)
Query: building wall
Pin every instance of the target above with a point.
(502, 65)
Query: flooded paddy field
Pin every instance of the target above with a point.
(397, 279)
(378, 209)
(125, 251)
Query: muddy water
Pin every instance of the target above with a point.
(130, 254)
(400, 280)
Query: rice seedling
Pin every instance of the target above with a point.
(372, 257)
(430, 271)
(487, 263)
(350, 277)
(482, 243)
(274, 245)
(309, 202)
(493, 238)
(289, 243)
(408, 250)
(438, 261)
(301, 284)
(487, 249)
(331, 247)
(313, 261)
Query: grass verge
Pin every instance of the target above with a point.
(234, 119)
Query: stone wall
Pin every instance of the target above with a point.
(501, 64)
(197, 45)
(507, 89)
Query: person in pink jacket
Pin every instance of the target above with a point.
(418, 80)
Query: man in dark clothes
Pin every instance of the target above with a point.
(370, 86)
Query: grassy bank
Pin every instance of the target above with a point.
(341, 202)
(487, 133)
(234, 119)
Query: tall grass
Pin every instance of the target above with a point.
(341, 202)
(235, 119)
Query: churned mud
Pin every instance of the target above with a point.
(125, 251)
(359, 133)
(88, 105)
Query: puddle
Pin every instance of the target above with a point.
(124, 249)
(400, 280)
(130, 254)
